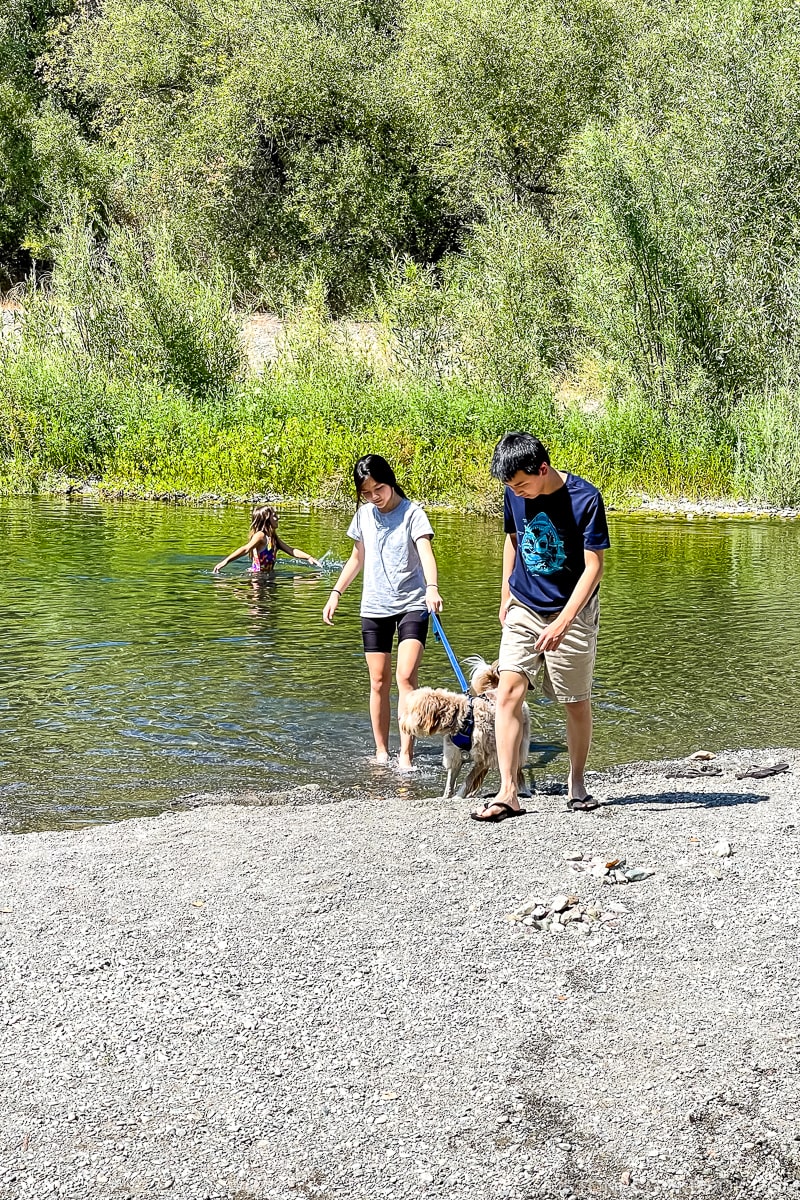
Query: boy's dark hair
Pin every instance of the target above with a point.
(518, 452)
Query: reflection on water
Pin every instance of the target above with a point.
(129, 674)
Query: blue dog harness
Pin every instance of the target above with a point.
(462, 738)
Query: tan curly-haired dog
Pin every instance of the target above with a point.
(432, 712)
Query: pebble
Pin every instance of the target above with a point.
(610, 870)
(563, 912)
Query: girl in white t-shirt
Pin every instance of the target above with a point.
(392, 537)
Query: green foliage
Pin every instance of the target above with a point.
(580, 217)
(325, 139)
(297, 432)
(768, 447)
(17, 171)
(24, 32)
(506, 303)
(684, 210)
(133, 305)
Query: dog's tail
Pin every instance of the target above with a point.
(483, 676)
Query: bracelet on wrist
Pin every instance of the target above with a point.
(338, 593)
(431, 585)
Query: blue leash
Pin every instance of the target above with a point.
(439, 634)
(462, 738)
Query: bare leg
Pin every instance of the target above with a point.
(508, 726)
(579, 739)
(380, 681)
(409, 656)
(524, 751)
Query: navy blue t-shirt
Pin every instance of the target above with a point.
(552, 533)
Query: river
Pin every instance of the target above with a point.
(131, 675)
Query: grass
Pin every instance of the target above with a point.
(117, 397)
(300, 436)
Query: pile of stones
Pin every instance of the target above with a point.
(607, 870)
(564, 913)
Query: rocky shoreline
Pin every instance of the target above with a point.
(680, 507)
(710, 509)
(306, 995)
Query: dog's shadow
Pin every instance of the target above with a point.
(667, 800)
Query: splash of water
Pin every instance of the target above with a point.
(327, 564)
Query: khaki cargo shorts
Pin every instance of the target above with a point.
(567, 670)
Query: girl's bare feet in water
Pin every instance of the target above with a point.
(404, 763)
(381, 758)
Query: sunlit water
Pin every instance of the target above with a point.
(131, 675)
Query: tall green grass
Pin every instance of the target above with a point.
(129, 371)
(300, 437)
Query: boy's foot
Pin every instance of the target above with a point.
(381, 758)
(498, 809)
(586, 804)
(405, 764)
(576, 789)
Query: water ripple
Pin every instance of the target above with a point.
(129, 673)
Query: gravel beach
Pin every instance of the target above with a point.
(312, 995)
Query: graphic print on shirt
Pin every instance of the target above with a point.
(541, 548)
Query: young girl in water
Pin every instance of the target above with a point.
(392, 537)
(264, 543)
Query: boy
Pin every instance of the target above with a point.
(556, 533)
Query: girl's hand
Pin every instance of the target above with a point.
(330, 608)
(433, 601)
(219, 566)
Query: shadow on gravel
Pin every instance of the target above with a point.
(305, 793)
(689, 799)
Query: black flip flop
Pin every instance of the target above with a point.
(507, 812)
(587, 804)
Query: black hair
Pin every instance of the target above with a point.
(376, 467)
(518, 452)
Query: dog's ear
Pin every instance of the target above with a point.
(484, 678)
(410, 717)
(419, 714)
(429, 712)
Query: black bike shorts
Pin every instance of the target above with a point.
(378, 632)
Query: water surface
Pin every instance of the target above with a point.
(130, 674)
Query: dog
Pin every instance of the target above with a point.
(432, 712)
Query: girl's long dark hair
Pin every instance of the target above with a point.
(376, 467)
(264, 521)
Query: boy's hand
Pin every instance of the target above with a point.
(504, 603)
(551, 636)
(218, 567)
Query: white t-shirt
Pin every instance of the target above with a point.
(393, 578)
